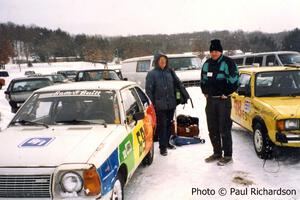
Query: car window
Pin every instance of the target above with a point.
(184, 63)
(277, 83)
(270, 60)
(143, 97)
(245, 83)
(4, 74)
(258, 60)
(97, 75)
(72, 107)
(249, 60)
(287, 59)
(131, 103)
(30, 85)
(143, 66)
(238, 61)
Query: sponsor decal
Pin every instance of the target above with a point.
(36, 142)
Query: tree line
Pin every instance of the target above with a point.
(20, 41)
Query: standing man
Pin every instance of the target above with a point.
(160, 88)
(219, 79)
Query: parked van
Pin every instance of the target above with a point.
(186, 66)
(277, 58)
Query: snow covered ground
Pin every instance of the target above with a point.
(174, 176)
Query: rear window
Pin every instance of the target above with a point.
(30, 85)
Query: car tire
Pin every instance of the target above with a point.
(118, 188)
(262, 144)
(149, 157)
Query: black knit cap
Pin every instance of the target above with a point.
(215, 45)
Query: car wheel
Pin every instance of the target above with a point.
(149, 157)
(118, 188)
(262, 144)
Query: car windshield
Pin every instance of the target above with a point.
(184, 63)
(76, 107)
(288, 59)
(56, 78)
(278, 83)
(30, 85)
(98, 75)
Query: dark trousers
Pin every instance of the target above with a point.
(219, 125)
(163, 130)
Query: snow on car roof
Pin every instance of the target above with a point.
(89, 85)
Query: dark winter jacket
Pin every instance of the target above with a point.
(219, 77)
(160, 86)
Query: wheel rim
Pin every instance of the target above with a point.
(258, 140)
(117, 191)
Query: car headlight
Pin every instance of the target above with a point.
(71, 182)
(289, 124)
(76, 180)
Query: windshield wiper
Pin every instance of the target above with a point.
(23, 122)
(76, 121)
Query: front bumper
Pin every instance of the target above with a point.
(290, 139)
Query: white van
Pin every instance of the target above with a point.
(277, 58)
(186, 66)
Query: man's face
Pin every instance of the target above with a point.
(215, 55)
(162, 62)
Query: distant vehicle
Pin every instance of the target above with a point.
(29, 73)
(277, 58)
(4, 73)
(56, 78)
(69, 74)
(2, 82)
(3, 78)
(186, 66)
(267, 103)
(97, 75)
(77, 141)
(20, 89)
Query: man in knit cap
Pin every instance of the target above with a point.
(219, 79)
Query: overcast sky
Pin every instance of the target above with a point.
(134, 17)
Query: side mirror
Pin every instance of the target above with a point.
(138, 116)
(6, 92)
(125, 79)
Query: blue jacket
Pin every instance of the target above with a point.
(160, 87)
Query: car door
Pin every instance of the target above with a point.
(136, 132)
(149, 120)
(241, 102)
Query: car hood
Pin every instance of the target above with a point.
(289, 107)
(38, 146)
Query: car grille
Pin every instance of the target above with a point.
(191, 83)
(25, 186)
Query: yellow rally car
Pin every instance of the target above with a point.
(267, 103)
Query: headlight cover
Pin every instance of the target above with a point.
(71, 182)
(291, 124)
(76, 180)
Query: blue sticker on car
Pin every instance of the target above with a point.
(37, 142)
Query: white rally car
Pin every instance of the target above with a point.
(77, 141)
